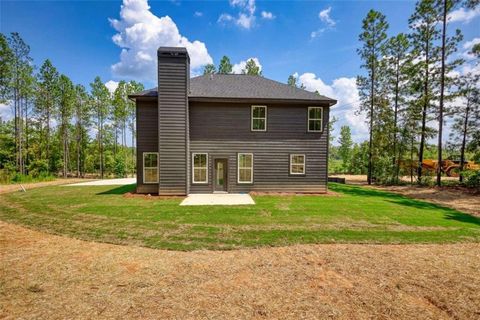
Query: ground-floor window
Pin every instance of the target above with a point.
(200, 168)
(150, 167)
(245, 168)
(297, 164)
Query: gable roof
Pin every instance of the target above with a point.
(242, 87)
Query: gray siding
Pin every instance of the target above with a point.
(226, 132)
(147, 139)
(231, 121)
(173, 75)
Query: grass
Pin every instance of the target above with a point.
(353, 215)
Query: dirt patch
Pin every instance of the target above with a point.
(4, 188)
(51, 277)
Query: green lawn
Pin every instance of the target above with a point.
(355, 215)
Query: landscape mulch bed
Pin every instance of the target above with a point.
(44, 276)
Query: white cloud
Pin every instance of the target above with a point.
(140, 33)
(198, 14)
(238, 67)
(246, 16)
(111, 85)
(267, 15)
(467, 46)
(345, 91)
(328, 22)
(6, 111)
(464, 15)
(324, 15)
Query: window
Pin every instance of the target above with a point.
(315, 117)
(200, 168)
(245, 168)
(150, 167)
(297, 164)
(259, 118)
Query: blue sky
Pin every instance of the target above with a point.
(316, 39)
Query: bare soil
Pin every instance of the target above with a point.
(459, 198)
(44, 276)
(4, 188)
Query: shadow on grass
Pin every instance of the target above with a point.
(449, 213)
(119, 190)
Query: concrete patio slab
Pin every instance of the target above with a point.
(105, 182)
(224, 199)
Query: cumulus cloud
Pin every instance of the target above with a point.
(140, 33)
(198, 14)
(345, 91)
(267, 15)
(327, 21)
(111, 85)
(238, 67)
(6, 111)
(246, 16)
(467, 46)
(464, 15)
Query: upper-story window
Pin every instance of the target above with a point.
(315, 119)
(200, 168)
(259, 118)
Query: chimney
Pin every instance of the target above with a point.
(173, 139)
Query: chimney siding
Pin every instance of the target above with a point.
(174, 158)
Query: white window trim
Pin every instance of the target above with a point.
(238, 169)
(143, 165)
(321, 120)
(193, 169)
(291, 163)
(252, 118)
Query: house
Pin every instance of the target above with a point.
(228, 133)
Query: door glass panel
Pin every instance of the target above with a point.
(220, 169)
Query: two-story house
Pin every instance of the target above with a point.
(228, 133)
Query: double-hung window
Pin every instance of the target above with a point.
(150, 167)
(297, 164)
(245, 168)
(200, 168)
(315, 119)
(259, 118)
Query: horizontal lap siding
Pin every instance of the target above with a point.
(147, 140)
(173, 112)
(223, 131)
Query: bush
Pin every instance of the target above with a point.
(471, 178)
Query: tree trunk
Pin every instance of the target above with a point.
(424, 114)
(370, 142)
(464, 141)
(442, 88)
(395, 118)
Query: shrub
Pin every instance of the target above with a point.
(471, 178)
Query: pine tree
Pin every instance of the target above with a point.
(252, 69)
(100, 105)
(6, 63)
(373, 39)
(345, 149)
(82, 123)
(423, 23)
(292, 81)
(46, 103)
(225, 66)
(65, 111)
(133, 87)
(209, 69)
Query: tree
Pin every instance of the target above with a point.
(46, 102)
(6, 62)
(133, 87)
(100, 105)
(225, 66)
(66, 103)
(251, 68)
(345, 149)
(423, 23)
(82, 113)
(209, 69)
(292, 81)
(373, 38)
(397, 66)
(448, 47)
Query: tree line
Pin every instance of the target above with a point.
(410, 87)
(62, 128)
(226, 67)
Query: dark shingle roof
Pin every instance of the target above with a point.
(243, 87)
